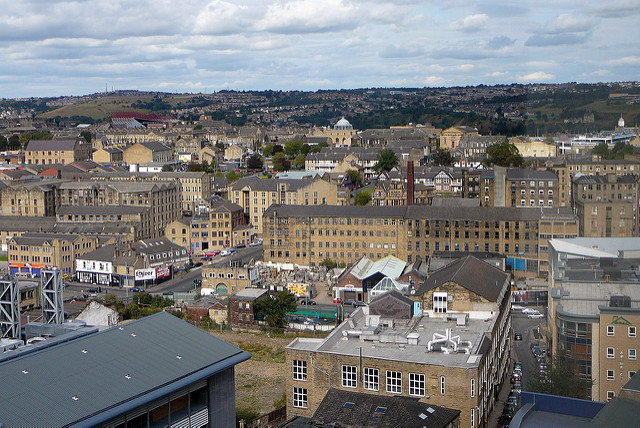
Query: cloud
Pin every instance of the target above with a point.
(499, 42)
(393, 51)
(537, 76)
(433, 81)
(308, 16)
(498, 74)
(633, 61)
(470, 23)
(543, 40)
(567, 23)
(220, 17)
(617, 9)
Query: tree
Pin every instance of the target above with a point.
(220, 145)
(14, 142)
(561, 379)
(442, 158)
(267, 150)
(364, 197)
(299, 161)
(602, 149)
(293, 148)
(195, 167)
(234, 176)
(4, 143)
(86, 135)
(273, 309)
(505, 154)
(355, 177)
(387, 159)
(255, 162)
(329, 264)
(280, 162)
(36, 135)
(167, 168)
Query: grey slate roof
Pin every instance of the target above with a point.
(472, 274)
(64, 145)
(146, 349)
(270, 185)
(398, 411)
(155, 146)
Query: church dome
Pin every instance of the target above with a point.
(620, 122)
(343, 124)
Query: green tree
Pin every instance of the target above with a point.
(14, 142)
(622, 148)
(280, 162)
(329, 264)
(355, 177)
(255, 162)
(234, 176)
(561, 379)
(86, 135)
(387, 159)
(273, 309)
(36, 135)
(602, 149)
(167, 168)
(442, 158)
(364, 197)
(198, 127)
(293, 148)
(299, 161)
(267, 150)
(4, 143)
(220, 145)
(195, 167)
(505, 154)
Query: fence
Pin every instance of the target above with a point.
(268, 419)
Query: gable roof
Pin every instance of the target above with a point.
(370, 410)
(42, 145)
(472, 274)
(145, 349)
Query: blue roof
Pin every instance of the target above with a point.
(97, 377)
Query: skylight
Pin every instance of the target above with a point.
(349, 405)
(381, 409)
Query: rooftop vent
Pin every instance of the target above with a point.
(619, 302)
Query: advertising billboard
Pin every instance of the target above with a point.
(145, 274)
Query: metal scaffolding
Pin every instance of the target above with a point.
(9, 308)
(52, 298)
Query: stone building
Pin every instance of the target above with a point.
(606, 205)
(450, 137)
(147, 152)
(517, 187)
(444, 351)
(30, 199)
(230, 278)
(56, 151)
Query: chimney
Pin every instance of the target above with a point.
(410, 182)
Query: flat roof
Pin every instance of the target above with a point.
(131, 364)
(582, 298)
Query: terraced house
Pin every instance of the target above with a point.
(308, 235)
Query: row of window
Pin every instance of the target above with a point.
(611, 331)
(611, 375)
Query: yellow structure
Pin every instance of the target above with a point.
(450, 137)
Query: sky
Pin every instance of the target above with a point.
(57, 48)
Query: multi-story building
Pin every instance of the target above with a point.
(255, 195)
(161, 197)
(534, 148)
(475, 145)
(440, 347)
(30, 199)
(14, 226)
(56, 151)
(340, 135)
(450, 137)
(138, 217)
(108, 155)
(308, 235)
(594, 310)
(31, 252)
(147, 152)
(241, 313)
(606, 205)
(517, 187)
(230, 278)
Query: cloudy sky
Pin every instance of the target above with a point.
(52, 48)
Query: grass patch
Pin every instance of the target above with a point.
(263, 352)
(4, 258)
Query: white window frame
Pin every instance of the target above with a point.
(349, 376)
(371, 379)
(611, 352)
(631, 331)
(611, 395)
(442, 385)
(611, 330)
(631, 373)
(438, 306)
(417, 385)
(299, 368)
(300, 397)
(472, 417)
(394, 382)
(611, 375)
(473, 387)
(632, 354)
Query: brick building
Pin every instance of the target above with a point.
(445, 352)
(241, 307)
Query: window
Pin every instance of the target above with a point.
(371, 379)
(299, 370)
(632, 331)
(394, 382)
(611, 330)
(611, 395)
(632, 354)
(439, 302)
(473, 387)
(442, 385)
(631, 374)
(610, 375)
(472, 417)
(610, 353)
(349, 376)
(416, 384)
(300, 397)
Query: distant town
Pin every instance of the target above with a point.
(439, 257)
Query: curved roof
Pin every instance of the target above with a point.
(343, 124)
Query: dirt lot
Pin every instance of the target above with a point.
(260, 381)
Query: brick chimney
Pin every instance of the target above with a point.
(410, 183)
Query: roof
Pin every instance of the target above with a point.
(368, 410)
(136, 363)
(250, 294)
(472, 274)
(595, 247)
(64, 145)
(619, 412)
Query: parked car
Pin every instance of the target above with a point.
(357, 303)
(517, 308)
(517, 366)
(537, 315)
(528, 311)
(255, 243)
(168, 293)
(137, 290)
(241, 246)
(224, 253)
(307, 302)
(517, 336)
(198, 264)
(517, 387)
(348, 302)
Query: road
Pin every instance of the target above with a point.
(528, 328)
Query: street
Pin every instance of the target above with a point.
(528, 327)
